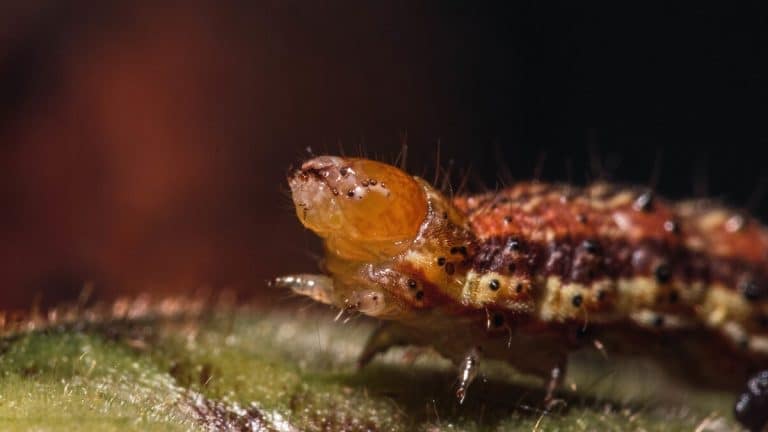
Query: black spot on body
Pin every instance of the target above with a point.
(462, 250)
(658, 321)
(591, 246)
(674, 296)
(577, 300)
(663, 273)
(750, 290)
(494, 285)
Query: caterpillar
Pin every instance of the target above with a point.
(534, 271)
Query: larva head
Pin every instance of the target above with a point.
(365, 210)
(384, 232)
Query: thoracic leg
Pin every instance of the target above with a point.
(467, 373)
(556, 378)
(315, 286)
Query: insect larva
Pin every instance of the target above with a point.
(529, 273)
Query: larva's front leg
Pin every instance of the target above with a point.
(467, 373)
(315, 286)
(556, 378)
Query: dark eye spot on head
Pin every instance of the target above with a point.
(412, 283)
(663, 273)
(577, 300)
(419, 295)
(519, 288)
(513, 245)
(494, 284)
(344, 171)
(441, 261)
(445, 215)
(450, 268)
(372, 182)
(374, 297)
(351, 193)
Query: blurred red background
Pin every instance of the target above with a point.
(145, 144)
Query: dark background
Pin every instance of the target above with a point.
(144, 144)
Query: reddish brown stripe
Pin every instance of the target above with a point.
(567, 212)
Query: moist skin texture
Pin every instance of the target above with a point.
(532, 272)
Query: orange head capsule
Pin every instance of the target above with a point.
(383, 231)
(363, 209)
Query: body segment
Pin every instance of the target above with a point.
(531, 272)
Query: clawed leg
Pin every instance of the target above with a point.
(315, 286)
(556, 378)
(467, 373)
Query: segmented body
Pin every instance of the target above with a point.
(607, 254)
(531, 272)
